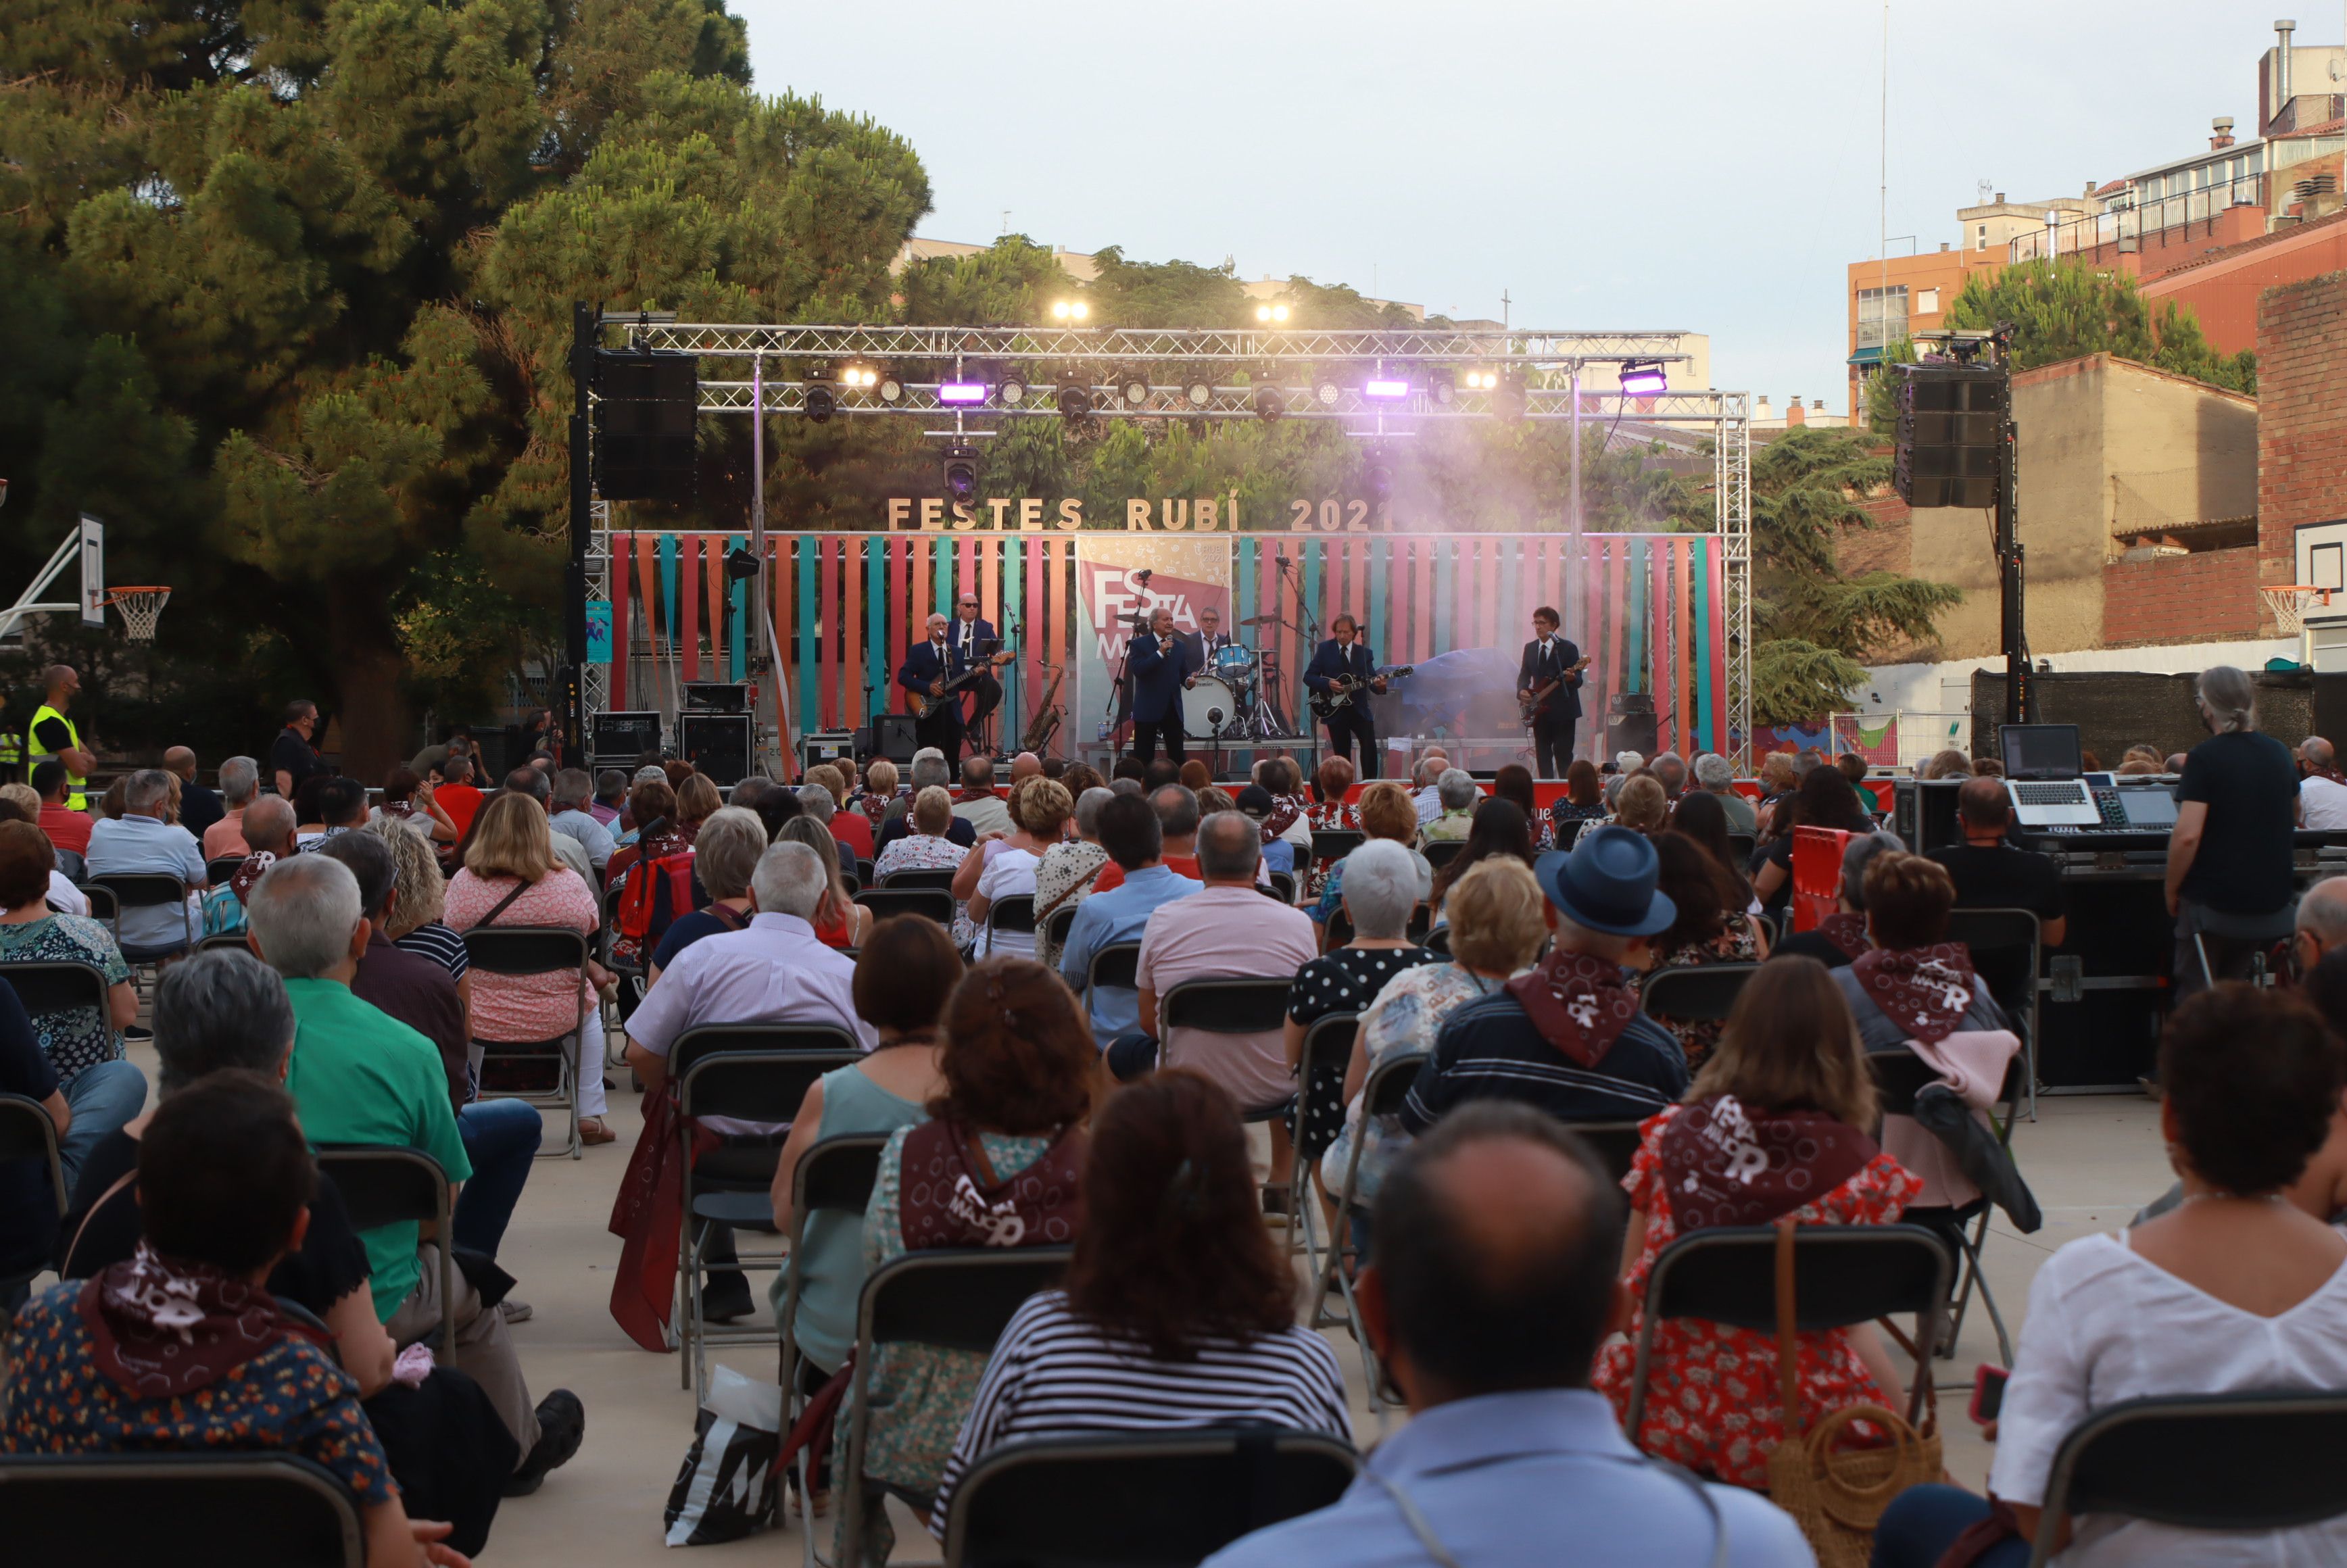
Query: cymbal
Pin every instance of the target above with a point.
(1260, 620)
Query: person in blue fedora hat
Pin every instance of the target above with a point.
(1566, 1035)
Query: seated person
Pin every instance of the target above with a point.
(1567, 1035)
(1005, 864)
(1179, 1308)
(929, 846)
(573, 792)
(1385, 812)
(342, 808)
(1134, 836)
(1017, 1069)
(1787, 1077)
(267, 829)
(1260, 807)
(1823, 799)
(2235, 1290)
(1069, 871)
(143, 840)
(1913, 983)
(929, 772)
(1491, 1289)
(1841, 937)
(28, 1205)
(361, 1076)
(839, 920)
(976, 802)
(724, 857)
(227, 1012)
(1991, 873)
(1711, 927)
(1455, 789)
(182, 1346)
(83, 1044)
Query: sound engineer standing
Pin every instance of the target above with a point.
(2229, 858)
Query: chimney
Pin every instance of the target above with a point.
(1817, 404)
(1943, 244)
(2000, 199)
(2223, 126)
(2282, 30)
(1794, 418)
(1760, 410)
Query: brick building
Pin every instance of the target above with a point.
(2301, 427)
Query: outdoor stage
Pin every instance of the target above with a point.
(1651, 611)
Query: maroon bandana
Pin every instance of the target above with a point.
(255, 866)
(1926, 991)
(1285, 810)
(1578, 1004)
(162, 1329)
(1727, 1164)
(1846, 932)
(949, 1196)
(2333, 775)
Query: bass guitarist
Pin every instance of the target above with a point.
(1547, 683)
(930, 667)
(1344, 662)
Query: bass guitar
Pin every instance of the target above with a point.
(1343, 689)
(1531, 705)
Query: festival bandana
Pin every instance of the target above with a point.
(1926, 991)
(1285, 810)
(1578, 1004)
(256, 865)
(947, 1194)
(163, 1328)
(1725, 1163)
(1846, 932)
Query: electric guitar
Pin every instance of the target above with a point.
(1342, 689)
(1531, 705)
(926, 704)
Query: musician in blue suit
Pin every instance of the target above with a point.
(971, 636)
(1342, 655)
(929, 665)
(1158, 660)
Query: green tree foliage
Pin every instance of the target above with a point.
(1012, 282)
(1164, 293)
(2065, 309)
(1813, 622)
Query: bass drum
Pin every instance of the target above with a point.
(1207, 707)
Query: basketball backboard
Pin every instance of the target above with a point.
(2321, 550)
(93, 571)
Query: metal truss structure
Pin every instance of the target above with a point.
(1217, 375)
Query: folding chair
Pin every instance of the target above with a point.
(2008, 951)
(72, 865)
(1139, 1499)
(1233, 1006)
(519, 950)
(223, 941)
(750, 1072)
(926, 876)
(1015, 913)
(102, 906)
(930, 903)
(145, 890)
(1335, 843)
(1438, 940)
(1338, 931)
(27, 1133)
(1117, 965)
(1422, 921)
(1703, 993)
(1283, 883)
(837, 1177)
(2240, 1462)
(852, 882)
(1899, 1076)
(53, 985)
(1743, 846)
(1842, 1275)
(1441, 852)
(1381, 1095)
(385, 1184)
(1056, 927)
(219, 868)
(1615, 1143)
(1320, 1079)
(956, 1300)
(276, 1508)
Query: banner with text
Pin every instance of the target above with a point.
(1182, 575)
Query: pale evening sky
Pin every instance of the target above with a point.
(1710, 168)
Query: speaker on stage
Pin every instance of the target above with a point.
(646, 410)
(893, 737)
(719, 745)
(1630, 725)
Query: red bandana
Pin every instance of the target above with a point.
(1285, 810)
(2333, 775)
(1578, 1004)
(255, 866)
(162, 1329)
(972, 796)
(1725, 1163)
(944, 1199)
(1926, 991)
(1846, 932)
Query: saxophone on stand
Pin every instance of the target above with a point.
(1047, 718)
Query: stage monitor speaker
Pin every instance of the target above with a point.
(647, 406)
(1631, 732)
(622, 737)
(893, 737)
(719, 745)
(828, 746)
(499, 749)
(716, 696)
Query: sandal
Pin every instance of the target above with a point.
(591, 1130)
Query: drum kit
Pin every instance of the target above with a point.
(1233, 701)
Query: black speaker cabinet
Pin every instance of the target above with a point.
(893, 737)
(621, 738)
(1630, 725)
(719, 745)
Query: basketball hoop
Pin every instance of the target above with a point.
(140, 609)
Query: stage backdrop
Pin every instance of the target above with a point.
(1648, 607)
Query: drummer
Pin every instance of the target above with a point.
(1204, 642)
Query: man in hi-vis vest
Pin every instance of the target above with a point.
(52, 734)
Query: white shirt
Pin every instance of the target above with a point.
(66, 895)
(2324, 802)
(2106, 1325)
(1009, 873)
(1429, 804)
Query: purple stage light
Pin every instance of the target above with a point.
(1644, 380)
(1382, 387)
(961, 392)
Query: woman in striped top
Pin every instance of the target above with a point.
(1179, 1309)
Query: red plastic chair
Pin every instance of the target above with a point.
(1817, 874)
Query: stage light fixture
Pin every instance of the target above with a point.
(1270, 315)
(959, 471)
(1644, 379)
(1384, 388)
(1441, 387)
(892, 390)
(1377, 475)
(820, 404)
(858, 376)
(1010, 387)
(1075, 399)
(961, 394)
(1507, 399)
(1200, 392)
(1270, 402)
(1070, 311)
(1325, 389)
(1479, 380)
(1133, 385)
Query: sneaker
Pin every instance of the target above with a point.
(562, 1426)
(137, 1031)
(725, 1299)
(514, 1311)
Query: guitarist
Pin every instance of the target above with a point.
(970, 635)
(1549, 679)
(1158, 662)
(928, 667)
(1343, 655)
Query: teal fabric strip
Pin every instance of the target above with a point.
(668, 553)
(1388, 648)
(1707, 719)
(874, 698)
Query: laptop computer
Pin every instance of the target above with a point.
(2042, 765)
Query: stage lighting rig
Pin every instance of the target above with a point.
(820, 403)
(1133, 385)
(1507, 399)
(1010, 386)
(1199, 390)
(1270, 402)
(963, 391)
(1075, 394)
(1377, 477)
(1479, 380)
(1325, 388)
(959, 471)
(1074, 311)
(1643, 378)
(891, 387)
(858, 376)
(1270, 315)
(1386, 386)
(1442, 387)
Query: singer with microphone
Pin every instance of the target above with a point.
(1159, 660)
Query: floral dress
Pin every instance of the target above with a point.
(73, 1039)
(1405, 1017)
(1712, 1401)
(1734, 944)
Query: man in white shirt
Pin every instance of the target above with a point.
(978, 804)
(2322, 791)
(141, 841)
(1430, 769)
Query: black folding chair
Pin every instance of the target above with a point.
(954, 1298)
(146, 890)
(516, 952)
(1014, 913)
(147, 1507)
(53, 985)
(1438, 940)
(1701, 993)
(27, 1133)
(1616, 1144)
(1842, 1275)
(1319, 1081)
(1441, 852)
(1899, 1076)
(1283, 883)
(1117, 966)
(2242, 1463)
(1164, 1500)
(750, 1072)
(1338, 931)
(834, 1176)
(1232, 1005)
(1335, 843)
(2008, 949)
(386, 1184)
(1382, 1094)
(1742, 847)
(223, 941)
(1056, 927)
(930, 903)
(926, 876)
(102, 906)
(219, 868)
